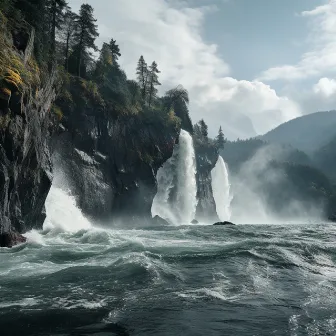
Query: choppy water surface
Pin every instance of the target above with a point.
(191, 280)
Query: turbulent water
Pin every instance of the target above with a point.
(178, 174)
(221, 190)
(75, 279)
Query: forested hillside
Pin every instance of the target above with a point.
(278, 176)
(65, 42)
(325, 158)
(236, 153)
(307, 133)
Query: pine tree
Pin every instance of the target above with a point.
(67, 32)
(204, 129)
(115, 51)
(220, 139)
(197, 131)
(55, 9)
(152, 82)
(142, 75)
(105, 61)
(85, 36)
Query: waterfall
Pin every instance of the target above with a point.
(176, 200)
(221, 189)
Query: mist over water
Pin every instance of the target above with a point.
(75, 278)
(63, 213)
(251, 186)
(178, 174)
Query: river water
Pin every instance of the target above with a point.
(178, 280)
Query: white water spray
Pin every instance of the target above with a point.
(177, 175)
(221, 190)
(63, 213)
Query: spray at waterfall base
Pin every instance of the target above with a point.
(176, 198)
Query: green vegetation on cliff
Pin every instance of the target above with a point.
(63, 40)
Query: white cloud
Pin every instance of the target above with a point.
(255, 99)
(325, 87)
(320, 96)
(170, 32)
(321, 58)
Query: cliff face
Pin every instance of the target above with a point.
(109, 145)
(111, 162)
(206, 159)
(25, 164)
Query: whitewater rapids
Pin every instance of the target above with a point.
(75, 279)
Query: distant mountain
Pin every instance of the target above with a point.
(307, 133)
(236, 153)
(283, 179)
(325, 158)
(235, 125)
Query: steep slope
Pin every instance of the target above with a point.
(236, 153)
(307, 133)
(325, 158)
(111, 152)
(25, 120)
(111, 158)
(277, 180)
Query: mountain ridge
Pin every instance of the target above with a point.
(307, 133)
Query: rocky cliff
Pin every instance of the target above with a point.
(25, 163)
(206, 158)
(106, 139)
(111, 161)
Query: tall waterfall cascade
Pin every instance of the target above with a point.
(221, 189)
(176, 200)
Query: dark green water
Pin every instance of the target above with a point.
(191, 280)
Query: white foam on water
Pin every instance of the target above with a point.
(27, 302)
(63, 213)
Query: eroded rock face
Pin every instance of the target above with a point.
(206, 159)
(11, 239)
(112, 171)
(25, 161)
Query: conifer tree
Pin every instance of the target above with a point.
(152, 82)
(85, 36)
(115, 51)
(67, 32)
(220, 139)
(142, 75)
(55, 9)
(197, 131)
(204, 129)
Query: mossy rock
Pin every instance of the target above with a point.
(13, 80)
(5, 93)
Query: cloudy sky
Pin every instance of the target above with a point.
(248, 65)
